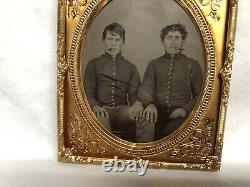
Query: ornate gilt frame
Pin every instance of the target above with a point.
(197, 146)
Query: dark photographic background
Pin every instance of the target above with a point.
(143, 21)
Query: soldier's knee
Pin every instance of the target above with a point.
(105, 122)
(145, 131)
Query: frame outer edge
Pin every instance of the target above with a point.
(226, 73)
(61, 70)
(212, 162)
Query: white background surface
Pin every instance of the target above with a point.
(28, 118)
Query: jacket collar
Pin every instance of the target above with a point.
(108, 56)
(177, 56)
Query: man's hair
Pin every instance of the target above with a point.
(114, 28)
(175, 27)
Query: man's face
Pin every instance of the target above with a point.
(113, 43)
(173, 42)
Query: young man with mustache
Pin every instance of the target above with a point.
(171, 84)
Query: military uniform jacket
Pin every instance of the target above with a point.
(111, 82)
(172, 82)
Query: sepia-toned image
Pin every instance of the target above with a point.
(142, 67)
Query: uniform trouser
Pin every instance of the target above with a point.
(119, 116)
(165, 125)
(162, 128)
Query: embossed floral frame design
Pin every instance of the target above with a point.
(197, 145)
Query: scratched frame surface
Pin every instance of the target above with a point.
(197, 146)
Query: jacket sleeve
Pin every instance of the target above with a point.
(134, 86)
(90, 84)
(146, 90)
(196, 84)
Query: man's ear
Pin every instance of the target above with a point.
(103, 42)
(123, 44)
(183, 44)
(123, 41)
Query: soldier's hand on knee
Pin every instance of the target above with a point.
(136, 110)
(150, 113)
(100, 111)
(178, 112)
(104, 113)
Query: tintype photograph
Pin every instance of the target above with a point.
(142, 67)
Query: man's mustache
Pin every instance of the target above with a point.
(110, 49)
(177, 48)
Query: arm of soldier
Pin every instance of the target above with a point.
(196, 84)
(146, 92)
(134, 84)
(89, 83)
(136, 108)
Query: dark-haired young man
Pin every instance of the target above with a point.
(171, 84)
(111, 83)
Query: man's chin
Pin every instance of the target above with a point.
(172, 53)
(113, 53)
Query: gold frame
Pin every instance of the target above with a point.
(197, 146)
